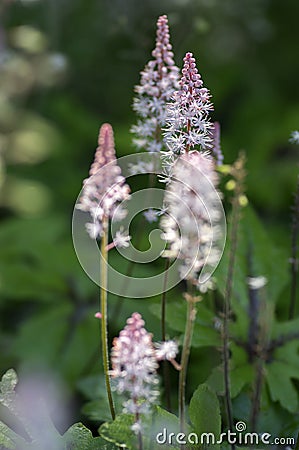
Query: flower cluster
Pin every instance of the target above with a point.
(106, 187)
(159, 79)
(187, 116)
(134, 364)
(191, 225)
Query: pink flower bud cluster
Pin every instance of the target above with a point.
(190, 226)
(159, 80)
(106, 187)
(134, 365)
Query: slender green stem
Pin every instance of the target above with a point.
(239, 174)
(163, 301)
(139, 434)
(294, 256)
(297, 443)
(257, 392)
(166, 373)
(137, 422)
(104, 329)
(227, 305)
(191, 312)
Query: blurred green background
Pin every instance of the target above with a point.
(67, 66)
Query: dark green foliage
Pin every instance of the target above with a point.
(204, 412)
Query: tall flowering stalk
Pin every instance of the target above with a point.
(134, 360)
(294, 252)
(238, 202)
(102, 192)
(159, 79)
(294, 139)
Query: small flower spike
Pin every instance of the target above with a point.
(106, 187)
(134, 365)
(187, 116)
(166, 350)
(188, 125)
(159, 80)
(294, 139)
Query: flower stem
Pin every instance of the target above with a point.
(139, 434)
(191, 313)
(294, 256)
(163, 302)
(104, 329)
(166, 373)
(257, 392)
(239, 174)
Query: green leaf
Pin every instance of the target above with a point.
(215, 380)
(97, 410)
(100, 444)
(7, 388)
(81, 345)
(119, 431)
(274, 419)
(38, 341)
(204, 412)
(266, 259)
(93, 388)
(239, 327)
(161, 423)
(164, 423)
(41, 257)
(25, 246)
(9, 439)
(240, 377)
(289, 353)
(278, 376)
(241, 373)
(290, 327)
(78, 437)
(204, 334)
